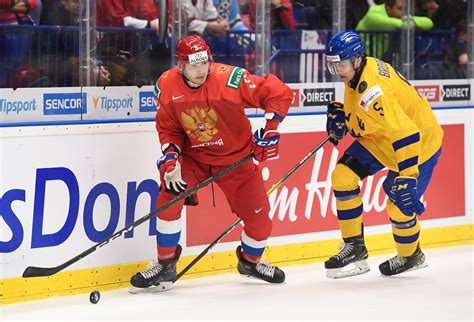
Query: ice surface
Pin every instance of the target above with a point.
(442, 291)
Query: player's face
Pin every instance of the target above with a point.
(344, 70)
(196, 73)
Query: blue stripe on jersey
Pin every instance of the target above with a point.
(406, 239)
(168, 240)
(349, 213)
(406, 141)
(405, 164)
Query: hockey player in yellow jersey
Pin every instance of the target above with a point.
(395, 128)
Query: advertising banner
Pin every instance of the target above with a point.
(66, 188)
(305, 203)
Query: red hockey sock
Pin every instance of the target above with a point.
(166, 252)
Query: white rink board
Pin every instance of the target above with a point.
(115, 156)
(131, 103)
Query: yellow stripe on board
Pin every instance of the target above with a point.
(19, 289)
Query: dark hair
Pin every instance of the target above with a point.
(460, 27)
(390, 3)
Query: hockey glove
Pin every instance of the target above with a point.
(406, 196)
(170, 169)
(265, 144)
(336, 122)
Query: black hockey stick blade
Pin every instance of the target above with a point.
(32, 271)
(231, 227)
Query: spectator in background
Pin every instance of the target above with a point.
(450, 12)
(36, 14)
(203, 18)
(15, 12)
(229, 10)
(356, 10)
(129, 55)
(282, 16)
(61, 13)
(14, 45)
(388, 16)
(456, 57)
(127, 13)
(59, 59)
(426, 8)
(314, 14)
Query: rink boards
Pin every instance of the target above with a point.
(64, 188)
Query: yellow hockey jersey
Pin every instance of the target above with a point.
(388, 117)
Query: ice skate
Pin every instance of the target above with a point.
(261, 270)
(399, 264)
(350, 261)
(158, 277)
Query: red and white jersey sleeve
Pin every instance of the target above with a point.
(266, 93)
(209, 123)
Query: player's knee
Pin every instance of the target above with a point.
(259, 228)
(395, 213)
(171, 213)
(344, 179)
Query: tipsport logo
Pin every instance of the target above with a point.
(16, 107)
(64, 103)
(115, 104)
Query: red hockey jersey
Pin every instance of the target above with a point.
(209, 123)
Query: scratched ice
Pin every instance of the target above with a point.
(442, 291)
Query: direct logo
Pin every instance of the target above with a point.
(147, 102)
(295, 102)
(456, 92)
(430, 92)
(318, 96)
(200, 123)
(362, 87)
(370, 96)
(17, 107)
(64, 103)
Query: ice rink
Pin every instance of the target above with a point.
(442, 291)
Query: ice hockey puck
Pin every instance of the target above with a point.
(94, 297)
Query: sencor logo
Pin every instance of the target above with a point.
(17, 106)
(147, 102)
(65, 103)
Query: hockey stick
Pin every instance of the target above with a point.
(231, 227)
(32, 271)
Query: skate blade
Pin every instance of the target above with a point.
(414, 268)
(162, 287)
(353, 269)
(260, 280)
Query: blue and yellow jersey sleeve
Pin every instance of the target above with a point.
(390, 119)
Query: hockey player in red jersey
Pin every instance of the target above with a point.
(203, 129)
